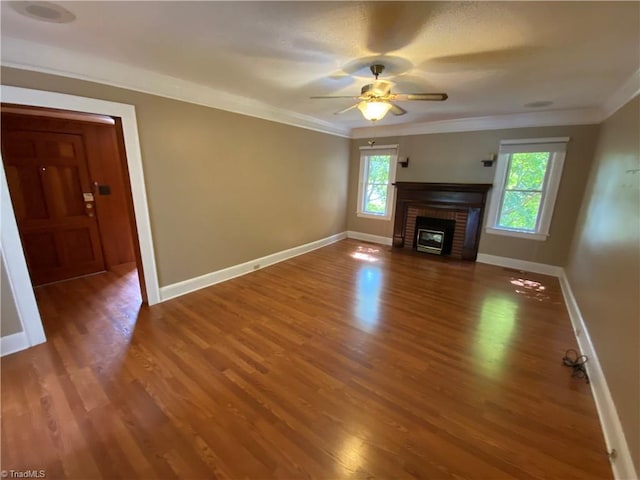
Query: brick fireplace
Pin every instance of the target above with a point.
(461, 202)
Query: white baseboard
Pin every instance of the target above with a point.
(13, 343)
(193, 284)
(622, 465)
(516, 264)
(366, 237)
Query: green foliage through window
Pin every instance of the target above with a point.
(523, 191)
(376, 184)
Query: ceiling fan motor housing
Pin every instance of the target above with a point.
(379, 88)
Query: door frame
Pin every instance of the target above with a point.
(12, 251)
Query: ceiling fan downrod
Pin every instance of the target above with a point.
(377, 69)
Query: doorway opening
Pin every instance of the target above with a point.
(19, 281)
(70, 191)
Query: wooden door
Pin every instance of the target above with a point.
(53, 202)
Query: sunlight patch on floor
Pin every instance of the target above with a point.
(368, 288)
(351, 454)
(495, 329)
(366, 254)
(530, 288)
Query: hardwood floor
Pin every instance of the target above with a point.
(352, 361)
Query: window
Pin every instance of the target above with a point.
(377, 174)
(525, 187)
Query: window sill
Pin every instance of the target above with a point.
(373, 217)
(541, 237)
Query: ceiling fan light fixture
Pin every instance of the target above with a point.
(374, 110)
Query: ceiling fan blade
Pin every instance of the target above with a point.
(332, 96)
(396, 110)
(434, 97)
(345, 109)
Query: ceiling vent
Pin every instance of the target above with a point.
(44, 11)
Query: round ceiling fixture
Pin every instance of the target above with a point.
(44, 11)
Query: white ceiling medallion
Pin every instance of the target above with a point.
(44, 11)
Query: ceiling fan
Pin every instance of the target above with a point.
(375, 99)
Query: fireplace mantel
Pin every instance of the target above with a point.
(469, 198)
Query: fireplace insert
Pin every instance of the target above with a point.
(434, 235)
(430, 241)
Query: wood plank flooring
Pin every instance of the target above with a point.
(353, 361)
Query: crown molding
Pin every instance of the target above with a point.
(582, 116)
(37, 57)
(627, 91)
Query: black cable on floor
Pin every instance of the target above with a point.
(576, 361)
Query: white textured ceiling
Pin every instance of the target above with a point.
(492, 58)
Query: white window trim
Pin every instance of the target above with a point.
(391, 195)
(549, 192)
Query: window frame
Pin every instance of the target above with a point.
(365, 152)
(557, 148)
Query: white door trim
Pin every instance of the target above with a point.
(16, 265)
(19, 282)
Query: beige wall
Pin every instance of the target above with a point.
(223, 188)
(455, 158)
(604, 264)
(9, 320)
